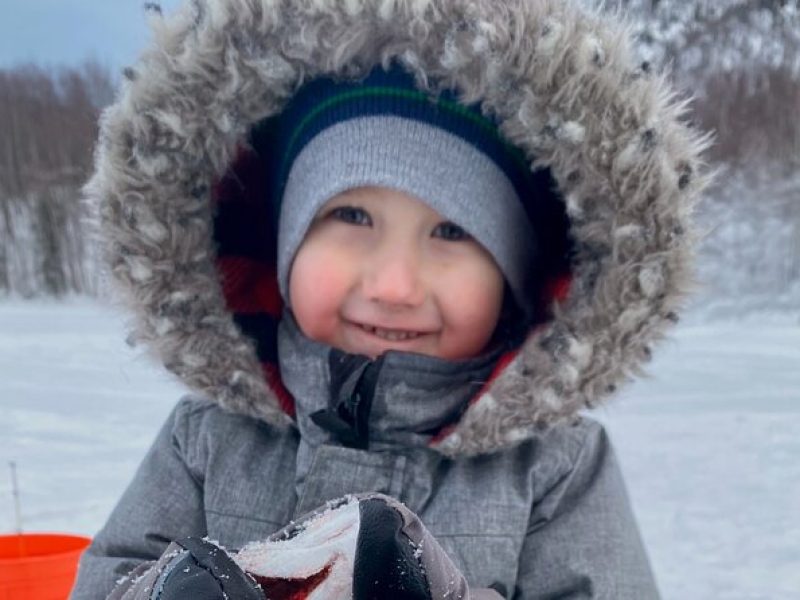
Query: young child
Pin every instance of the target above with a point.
(378, 294)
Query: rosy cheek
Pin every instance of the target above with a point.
(471, 314)
(317, 288)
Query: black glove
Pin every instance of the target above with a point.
(190, 569)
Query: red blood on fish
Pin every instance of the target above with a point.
(279, 588)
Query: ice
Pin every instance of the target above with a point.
(79, 409)
(710, 451)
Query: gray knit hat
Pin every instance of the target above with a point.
(382, 131)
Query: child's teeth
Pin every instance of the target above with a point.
(392, 336)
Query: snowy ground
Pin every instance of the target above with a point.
(709, 445)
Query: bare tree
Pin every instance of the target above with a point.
(49, 122)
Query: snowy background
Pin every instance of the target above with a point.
(709, 443)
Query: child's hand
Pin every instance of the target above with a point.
(362, 547)
(368, 547)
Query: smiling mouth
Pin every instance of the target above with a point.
(390, 335)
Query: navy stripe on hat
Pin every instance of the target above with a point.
(324, 102)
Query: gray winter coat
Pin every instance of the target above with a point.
(519, 489)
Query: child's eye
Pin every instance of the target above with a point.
(451, 232)
(351, 214)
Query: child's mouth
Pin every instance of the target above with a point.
(390, 335)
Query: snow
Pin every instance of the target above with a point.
(710, 450)
(79, 410)
(708, 444)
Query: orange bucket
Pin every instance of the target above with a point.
(39, 566)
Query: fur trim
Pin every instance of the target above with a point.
(563, 83)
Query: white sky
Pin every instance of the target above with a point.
(66, 32)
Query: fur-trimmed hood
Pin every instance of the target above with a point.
(564, 86)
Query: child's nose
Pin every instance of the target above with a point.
(393, 277)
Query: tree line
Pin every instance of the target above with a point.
(740, 59)
(48, 120)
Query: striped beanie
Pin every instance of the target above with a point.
(382, 131)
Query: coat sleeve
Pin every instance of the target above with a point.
(163, 502)
(582, 539)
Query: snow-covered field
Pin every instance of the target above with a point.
(710, 444)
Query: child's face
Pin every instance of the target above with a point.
(379, 270)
